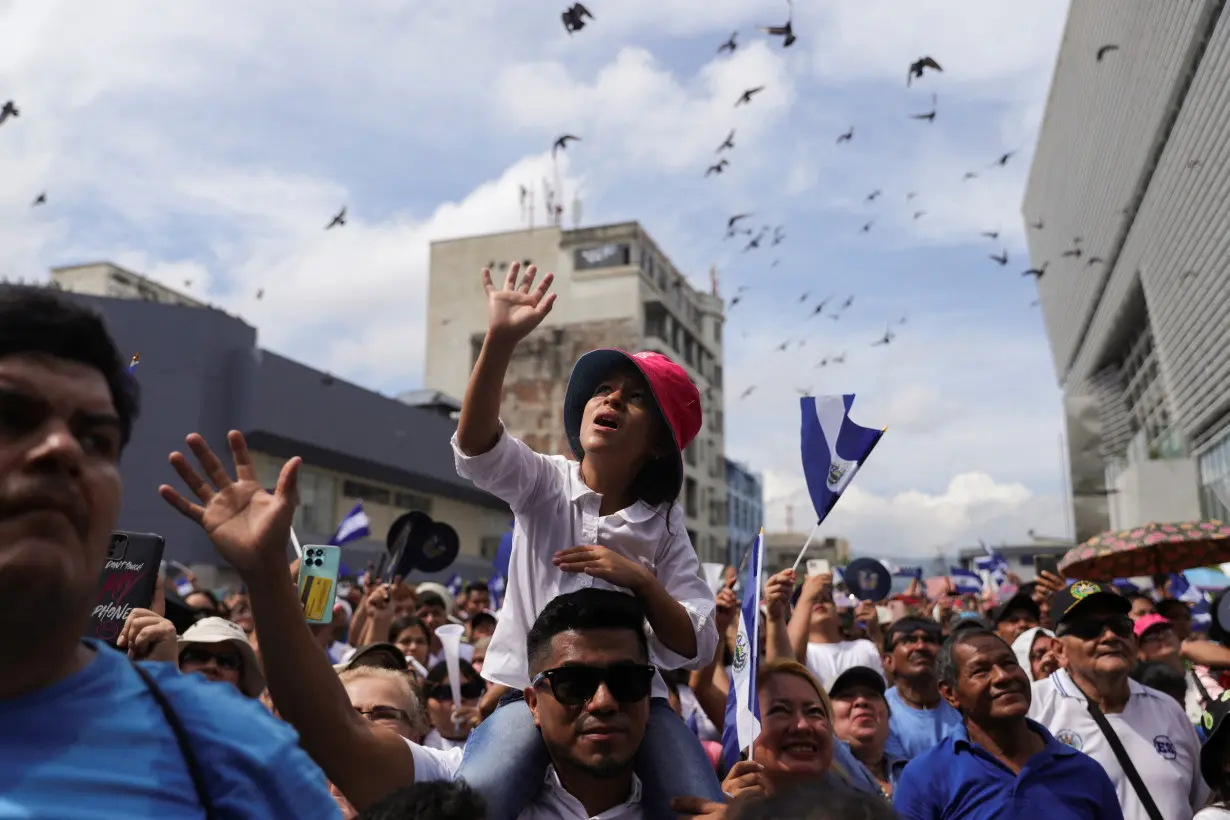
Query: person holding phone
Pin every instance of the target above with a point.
(83, 724)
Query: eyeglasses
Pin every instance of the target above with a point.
(225, 660)
(473, 690)
(384, 714)
(1088, 629)
(577, 685)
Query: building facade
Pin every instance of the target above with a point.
(782, 548)
(1126, 207)
(744, 509)
(202, 371)
(615, 289)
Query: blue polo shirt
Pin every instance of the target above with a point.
(959, 780)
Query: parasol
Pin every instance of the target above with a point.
(1148, 550)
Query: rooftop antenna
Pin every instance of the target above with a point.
(713, 279)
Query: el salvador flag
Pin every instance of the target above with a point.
(742, 725)
(1181, 588)
(354, 526)
(834, 448)
(454, 584)
(495, 590)
(964, 580)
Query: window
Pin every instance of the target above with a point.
(689, 495)
(412, 501)
(603, 256)
(317, 502)
(366, 492)
(689, 453)
(488, 546)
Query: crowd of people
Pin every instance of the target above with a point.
(599, 688)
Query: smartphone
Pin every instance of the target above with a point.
(1046, 563)
(129, 578)
(818, 566)
(318, 582)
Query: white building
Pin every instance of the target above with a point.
(1132, 172)
(110, 280)
(615, 288)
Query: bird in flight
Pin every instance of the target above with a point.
(754, 242)
(730, 45)
(728, 144)
(887, 338)
(778, 236)
(746, 96)
(1095, 260)
(930, 115)
(1037, 226)
(820, 307)
(918, 67)
(786, 31)
(1002, 259)
(9, 110)
(574, 17)
(260, 294)
(732, 222)
(561, 144)
(910, 195)
(846, 137)
(747, 392)
(1074, 252)
(1194, 163)
(919, 214)
(871, 197)
(867, 228)
(717, 168)
(1003, 160)
(1036, 273)
(41, 199)
(968, 176)
(839, 359)
(338, 220)
(992, 235)
(1106, 49)
(848, 303)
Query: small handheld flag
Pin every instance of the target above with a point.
(742, 724)
(354, 526)
(833, 449)
(136, 360)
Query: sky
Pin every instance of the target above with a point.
(211, 142)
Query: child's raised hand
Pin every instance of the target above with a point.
(515, 310)
(603, 564)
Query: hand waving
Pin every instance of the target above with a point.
(514, 309)
(248, 525)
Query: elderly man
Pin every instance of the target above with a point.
(1141, 737)
(87, 733)
(998, 765)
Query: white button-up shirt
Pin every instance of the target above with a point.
(554, 510)
(1160, 741)
(553, 801)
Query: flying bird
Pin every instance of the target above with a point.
(733, 221)
(1194, 163)
(1037, 226)
(919, 214)
(754, 242)
(9, 110)
(730, 45)
(867, 228)
(992, 235)
(910, 195)
(1106, 49)
(846, 305)
(717, 168)
(735, 301)
(1074, 252)
(1002, 259)
(561, 144)
(786, 31)
(1095, 260)
(260, 294)
(839, 359)
(41, 199)
(747, 392)
(778, 236)
(574, 17)
(846, 137)
(729, 143)
(338, 220)
(887, 338)
(918, 67)
(820, 307)
(1003, 159)
(930, 115)
(871, 197)
(1036, 273)
(968, 176)
(746, 96)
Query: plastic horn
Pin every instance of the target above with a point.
(450, 642)
(715, 576)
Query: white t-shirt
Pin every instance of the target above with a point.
(1213, 813)
(828, 660)
(552, 803)
(555, 510)
(1153, 728)
(435, 740)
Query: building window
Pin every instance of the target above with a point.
(488, 546)
(366, 492)
(689, 497)
(1214, 469)
(317, 502)
(412, 501)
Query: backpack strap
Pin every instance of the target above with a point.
(183, 740)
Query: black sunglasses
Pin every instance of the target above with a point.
(576, 685)
(473, 690)
(225, 660)
(1088, 629)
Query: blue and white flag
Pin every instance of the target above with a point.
(965, 580)
(455, 584)
(1181, 588)
(834, 448)
(742, 725)
(994, 564)
(354, 526)
(495, 590)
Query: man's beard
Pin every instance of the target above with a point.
(604, 769)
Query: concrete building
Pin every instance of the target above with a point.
(112, 281)
(1126, 207)
(616, 289)
(782, 548)
(744, 509)
(202, 371)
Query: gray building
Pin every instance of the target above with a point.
(744, 509)
(1127, 208)
(202, 371)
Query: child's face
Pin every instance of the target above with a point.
(620, 418)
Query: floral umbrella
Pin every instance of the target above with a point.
(1148, 550)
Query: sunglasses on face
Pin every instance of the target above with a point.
(1088, 629)
(472, 690)
(577, 685)
(384, 714)
(201, 657)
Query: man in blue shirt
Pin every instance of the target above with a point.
(919, 717)
(999, 765)
(82, 733)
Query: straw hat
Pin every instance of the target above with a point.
(219, 630)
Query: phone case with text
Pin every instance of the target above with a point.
(318, 582)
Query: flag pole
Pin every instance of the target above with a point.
(806, 544)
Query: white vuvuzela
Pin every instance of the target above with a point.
(450, 643)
